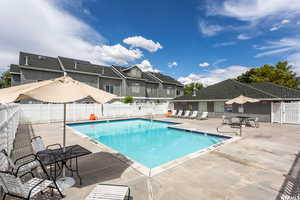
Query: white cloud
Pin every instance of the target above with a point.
(285, 21)
(214, 76)
(139, 41)
(219, 61)
(243, 37)
(146, 66)
(290, 46)
(209, 30)
(205, 64)
(223, 44)
(254, 10)
(43, 27)
(274, 28)
(172, 64)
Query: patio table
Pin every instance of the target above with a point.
(243, 119)
(56, 156)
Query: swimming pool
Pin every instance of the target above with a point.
(150, 143)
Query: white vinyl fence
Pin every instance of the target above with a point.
(39, 113)
(9, 121)
(284, 112)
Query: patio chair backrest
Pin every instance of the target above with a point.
(12, 184)
(37, 144)
(204, 115)
(179, 113)
(187, 113)
(235, 120)
(195, 113)
(9, 160)
(174, 112)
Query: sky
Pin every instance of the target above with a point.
(204, 41)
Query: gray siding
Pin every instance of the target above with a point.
(263, 107)
(169, 88)
(15, 79)
(152, 90)
(134, 72)
(88, 79)
(29, 75)
(114, 82)
(131, 84)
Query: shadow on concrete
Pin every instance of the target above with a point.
(100, 167)
(290, 188)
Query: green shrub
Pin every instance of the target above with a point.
(128, 99)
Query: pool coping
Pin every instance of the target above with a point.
(159, 169)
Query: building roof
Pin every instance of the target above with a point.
(230, 89)
(85, 66)
(14, 69)
(166, 79)
(277, 90)
(145, 76)
(39, 61)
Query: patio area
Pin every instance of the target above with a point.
(263, 164)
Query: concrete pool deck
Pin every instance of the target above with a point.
(253, 167)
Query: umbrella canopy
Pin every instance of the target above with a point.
(241, 100)
(59, 90)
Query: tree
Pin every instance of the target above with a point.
(189, 88)
(281, 74)
(5, 79)
(128, 99)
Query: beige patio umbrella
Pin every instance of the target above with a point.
(241, 100)
(60, 90)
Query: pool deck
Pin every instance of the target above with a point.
(253, 167)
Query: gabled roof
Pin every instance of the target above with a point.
(145, 76)
(14, 69)
(85, 66)
(230, 89)
(166, 79)
(39, 61)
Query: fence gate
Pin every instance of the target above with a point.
(286, 112)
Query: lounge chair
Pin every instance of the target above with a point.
(194, 114)
(204, 115)
(253, 122)
(23, 164)
(13, 186)
(179, 114)
(236, 122)
(186, 114)
(109, 192)
(173, 113)
(225, 120)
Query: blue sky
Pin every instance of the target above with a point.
(194, 40)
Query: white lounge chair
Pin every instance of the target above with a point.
(186, 114)
(225, 120)
(179, 114)
(23, 164)
(109, 192)
(253, 122)
(173, 114)
(203, 115)
(13, 186)
(194, 114)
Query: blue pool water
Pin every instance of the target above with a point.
(149, 143)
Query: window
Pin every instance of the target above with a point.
(178, 92)
(169, 90)
(135, 88)
(109, 88)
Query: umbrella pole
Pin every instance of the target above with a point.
(65, 182)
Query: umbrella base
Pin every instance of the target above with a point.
(65, 182)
